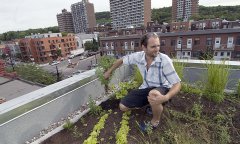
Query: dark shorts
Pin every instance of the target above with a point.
(138, 98)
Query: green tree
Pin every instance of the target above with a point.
(59, 52)
(88, 45)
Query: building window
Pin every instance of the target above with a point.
(238, 40)
(196, 41)
(215, 53)
(228, 53)
(222, 53)
(209, 41)
(163, 42)
(173, 42)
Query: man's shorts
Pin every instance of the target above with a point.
(138, 98)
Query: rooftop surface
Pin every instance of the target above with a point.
(11, 89)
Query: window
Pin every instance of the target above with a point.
(196, 41)
(215, 53)
(173, 42)
(228, 53)
(222, 53)
(238, 40)
(163, 42)
(209, 41)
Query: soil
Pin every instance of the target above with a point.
(182, 103)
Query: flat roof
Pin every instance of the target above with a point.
(11, 89)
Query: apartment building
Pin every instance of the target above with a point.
(83, 16)
(222, 43)
(65, 21)
(43, 48)
(130, 13)
(182, 10)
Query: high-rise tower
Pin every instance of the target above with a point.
(184, 9)
(83, 16)
(127, 13)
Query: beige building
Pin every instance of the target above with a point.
(182, 10)
(83, 16)
(65, 21)
(130, 13)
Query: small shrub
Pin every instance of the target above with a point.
(223, 135)
(196, 111)
(187, 88)
(216, 81)
(94, 109)
(104, 64)
(68, 125)
(137, 77)
(219, 119)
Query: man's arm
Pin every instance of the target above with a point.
(173, 91)
(117, 64)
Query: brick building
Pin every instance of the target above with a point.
(43, 48)
(222, 43)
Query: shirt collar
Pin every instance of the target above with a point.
(156, 59)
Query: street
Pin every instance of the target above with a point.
(68, 71)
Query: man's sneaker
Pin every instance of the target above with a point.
(149, 110)
(147, 127)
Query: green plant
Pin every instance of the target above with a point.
(179, 67)
(121, 137)
(216, 81)
(75, 132)
(92, 139)
(196, 110)
(94, 109)
(104, 64)
(68, 125)
(238, 88)
(123, 88)
(223, 135)
(34, 73)
(137, 77)
(187, 88)
(219, 119)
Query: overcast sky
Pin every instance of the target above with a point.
(25, 14)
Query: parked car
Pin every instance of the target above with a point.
(71, 56)
(54, 63)
(82, 57)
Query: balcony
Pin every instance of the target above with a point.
(224, 47)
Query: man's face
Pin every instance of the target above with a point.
(153, 47)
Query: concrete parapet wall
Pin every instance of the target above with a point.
(23, 118)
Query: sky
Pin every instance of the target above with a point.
(25, 14)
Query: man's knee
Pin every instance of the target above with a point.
(123, 107)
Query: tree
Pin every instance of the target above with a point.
(88, 45)
(95, 45)
(59, 52)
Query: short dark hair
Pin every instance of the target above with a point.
(146, 37)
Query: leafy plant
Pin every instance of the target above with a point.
(122, 91)
(104, 64)
(34, 73)
(196, 110)
(92, 139)
(121, 137)
(68, 125)
(187, 88)
(216, 81)
(94, 109)
(137, 77)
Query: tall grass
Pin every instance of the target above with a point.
(238, 89)
(179, 67)
(217, 77)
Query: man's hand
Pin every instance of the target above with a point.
(107, 74)
(156, 98)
